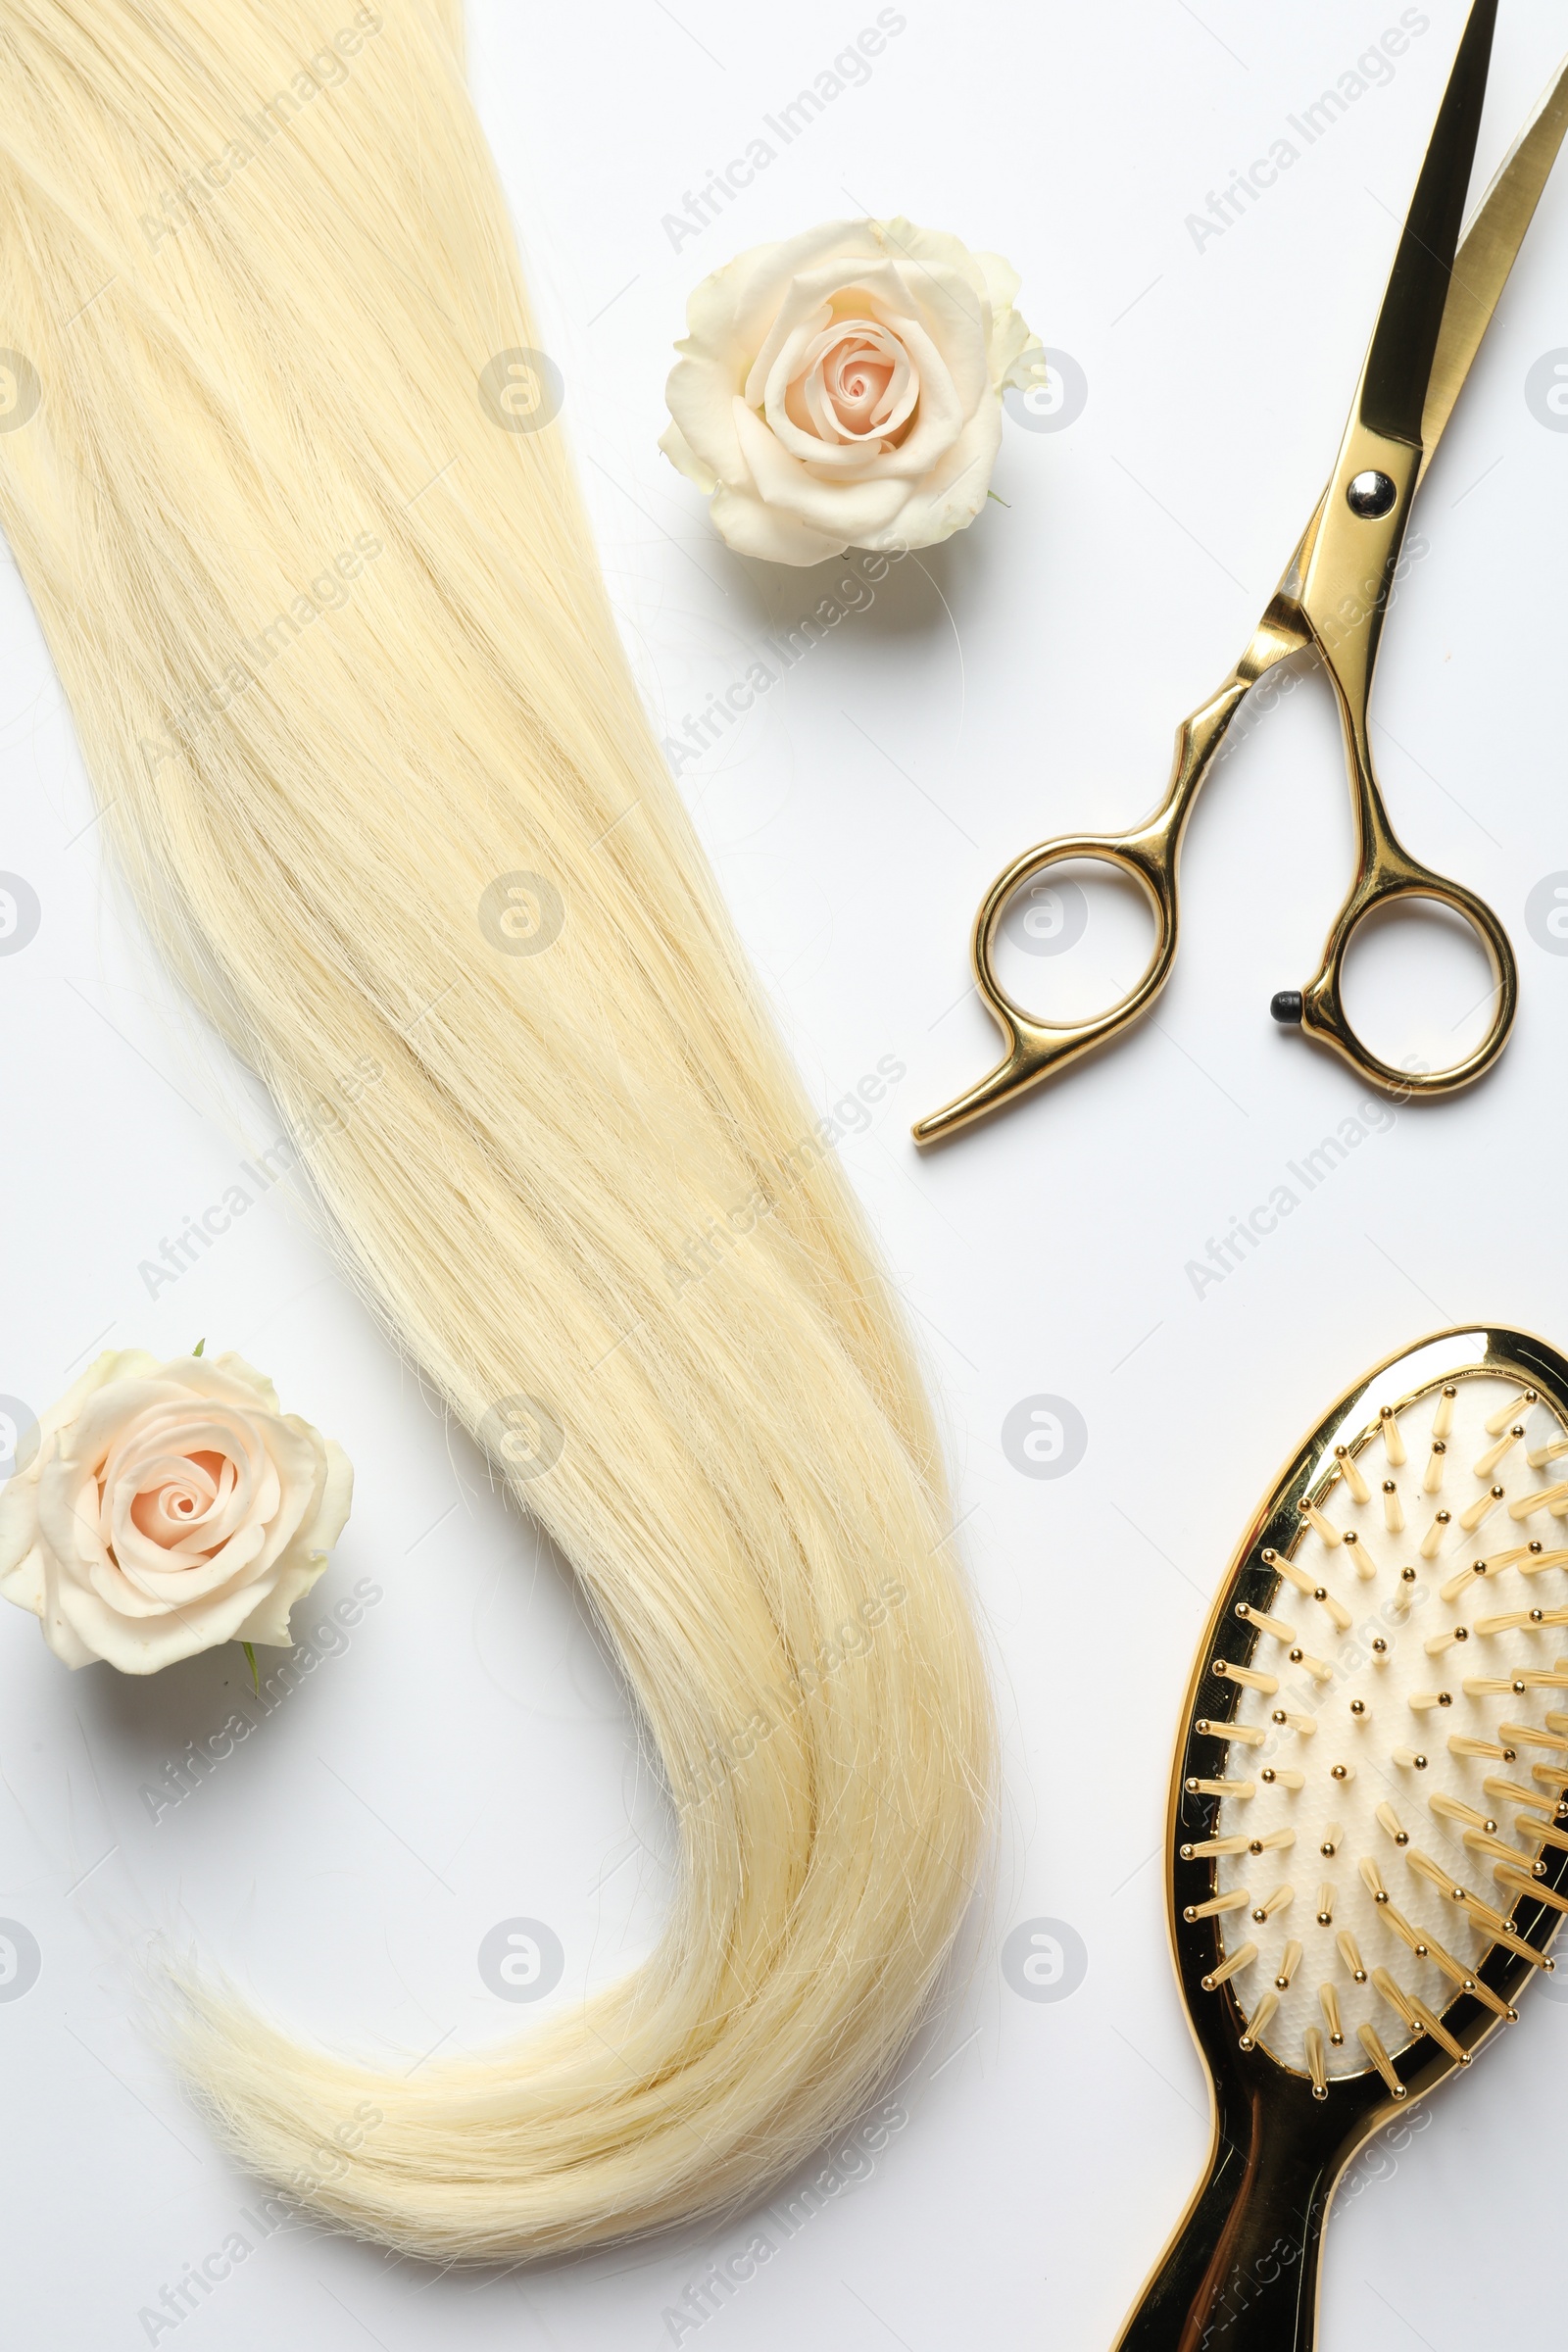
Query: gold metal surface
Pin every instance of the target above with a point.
(1283, 2135)
(1488, 255)
(1332, 600)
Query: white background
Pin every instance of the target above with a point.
(472, 1759)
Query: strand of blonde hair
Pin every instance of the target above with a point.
(340, 659)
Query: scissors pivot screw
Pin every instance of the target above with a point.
(1371, 495)
(1333, 600)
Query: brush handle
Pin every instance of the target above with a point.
(1240, 2274)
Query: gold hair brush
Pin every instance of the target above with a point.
(1368, 1838)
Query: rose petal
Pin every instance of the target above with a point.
(729, 317)
(949, 499)
(840, 455)
(18, 1524)
(1026, 365)
(845, 389)
(144, 1645)
(784, 482)
(109, 1411)
(746, 524)
(23, 1582)
(63, 1637)
(305, 1557)
(227, 1377)
(942, 414)
(335, 1501)
(1001, 281)
(166, 1509)
(681, 455)
(731, 312)
(859, 386)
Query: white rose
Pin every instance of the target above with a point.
(844, 389)
(165, 1509)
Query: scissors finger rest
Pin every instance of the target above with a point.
(1334, 598)
(1036, 1048)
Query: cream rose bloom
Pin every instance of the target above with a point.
(844, 389)
(165, 1509)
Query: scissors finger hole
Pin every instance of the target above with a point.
(1418, 988)
(1074, 940)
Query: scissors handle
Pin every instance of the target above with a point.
(1385, 874)
(1151, 856)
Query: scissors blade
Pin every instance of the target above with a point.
(1488, 255)
(1404, 345)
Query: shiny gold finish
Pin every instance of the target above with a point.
(1204, 1846)
(1497, 1849)
(1398, 1998)
(1331, 600)
(1245, 1732)
(1449, 1808)
(1269, 1625)
(1428, 2022)
(1368, 2037)
(1352, 1474)
(1361, 1559)
(1222, 1973)
(1486, 257)
(1319, 1522)
(1525, 1734)
(1512, 1792)
(1338, 1612)
(1259, 2020)
(1437, 1644)
(1460, 1745)
(1237, 1900)
(1314, 2060)
(1284, 2130)
(1516, 1882)
(1482, 1508)
(1412, 1938)
(1351, 1954)
(1494, 1455)
(1528, 1504)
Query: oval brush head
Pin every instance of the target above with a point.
(1368, 1827)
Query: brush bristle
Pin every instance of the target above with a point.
(1402, 1731)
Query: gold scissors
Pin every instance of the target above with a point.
(1332, 600)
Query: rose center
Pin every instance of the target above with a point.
(166, 1513)
(855, 384)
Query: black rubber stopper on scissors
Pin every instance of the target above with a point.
(1287, 1008)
